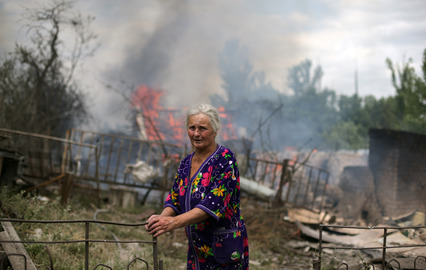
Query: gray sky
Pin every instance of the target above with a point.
(174, 45)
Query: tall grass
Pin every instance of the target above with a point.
(72, 255)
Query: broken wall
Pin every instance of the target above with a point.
(358, 200)
(397, 160)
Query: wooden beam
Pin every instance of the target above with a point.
(17, 262)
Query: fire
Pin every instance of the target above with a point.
(158, 123)
(154, 121)
(228, 131)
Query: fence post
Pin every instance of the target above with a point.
(154, 250)
(86, 249)
(384, 248)
(283, 180)
(317, 262)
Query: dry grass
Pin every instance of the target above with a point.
(268, 234)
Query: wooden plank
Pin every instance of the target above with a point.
(17, 262)
(303, 215)
(48, 182)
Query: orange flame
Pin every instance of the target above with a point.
(228, 131)
(159, 123)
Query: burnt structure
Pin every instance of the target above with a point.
(394, 182)
(398, 163)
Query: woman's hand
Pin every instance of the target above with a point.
(158, 224)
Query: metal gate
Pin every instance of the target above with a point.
(154, 262)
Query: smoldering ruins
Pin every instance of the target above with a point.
(371, 201)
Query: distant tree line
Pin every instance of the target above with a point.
(311, 116)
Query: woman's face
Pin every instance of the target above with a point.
(200, 132)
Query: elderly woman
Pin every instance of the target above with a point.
(205, 199)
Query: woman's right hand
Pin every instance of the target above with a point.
(158, 224)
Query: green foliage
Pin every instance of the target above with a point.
(410, 99)
(345, 135)
(311, 114)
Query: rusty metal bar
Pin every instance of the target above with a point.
(288, 174)
(323, 189)
(138, 259)
(79, 152)
(102, 265)
(385, 232)
(415, 261)
(98, 184)
(345, 264)
(299, 184)
(390, 262)
(86, 247)
(255, 169)
(90, 155)
(154, 249)
(101, 146)
(274, 175)
(129, 155)
(140, 152)
(65, 153)
(157, 263)
(316, 188)
(118, 160)
(70, 150)
(41, 159)
(49, 154)
(30, 160)
(307, 186)
(265, 169)
(320, 247)
(283, 179)
(111, 148)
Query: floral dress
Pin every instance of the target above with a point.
(219, 242)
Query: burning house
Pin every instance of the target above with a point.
(156, 122)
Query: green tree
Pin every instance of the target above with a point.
(302, 78)
(310, 110)
(410, 99)
(37, 91)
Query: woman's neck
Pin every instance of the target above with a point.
(202, 155)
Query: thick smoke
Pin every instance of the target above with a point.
(148, 62)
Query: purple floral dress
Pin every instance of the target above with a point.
(220, 242)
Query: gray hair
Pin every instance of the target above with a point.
(208, 110)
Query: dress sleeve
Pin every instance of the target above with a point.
(172, 200)
(179, 185)
(221, 197)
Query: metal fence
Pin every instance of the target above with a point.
(154, 262)
(97, 159)
(392, 263)
(295, 183)
(120, 156)
(43, 157)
